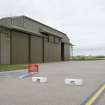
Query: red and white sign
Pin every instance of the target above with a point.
(33, 68)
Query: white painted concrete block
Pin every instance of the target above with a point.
(70, 81)
(39, 79)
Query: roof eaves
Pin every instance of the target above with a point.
(11, 27)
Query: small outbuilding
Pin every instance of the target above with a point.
(24, 40)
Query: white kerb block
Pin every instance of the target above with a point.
(70, 81)
(39, 79)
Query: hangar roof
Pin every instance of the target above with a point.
(26, 24)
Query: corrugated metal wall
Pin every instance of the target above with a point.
(35, 26)
(0, 47)
(5, 21)
(27, 48)
(33, 49)
(18, 21)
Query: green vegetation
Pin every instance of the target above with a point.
(74, 58)
(11, 67)
(83, 58)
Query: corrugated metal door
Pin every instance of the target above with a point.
(5, 48)
(52, 51)
(20, 49)
(66, 52)
(36, 49)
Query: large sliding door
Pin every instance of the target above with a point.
(66, 52)
(20, 48)
(5, 48)
(36, 49)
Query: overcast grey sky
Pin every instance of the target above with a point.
(82, 20)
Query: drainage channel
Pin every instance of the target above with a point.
(13, 74)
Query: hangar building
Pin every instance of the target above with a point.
(24, 40)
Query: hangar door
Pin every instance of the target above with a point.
(5, 48)
(66, 51)
(36, 49)
(19, 47)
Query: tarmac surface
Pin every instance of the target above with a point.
(101, 100)
(15, 91)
